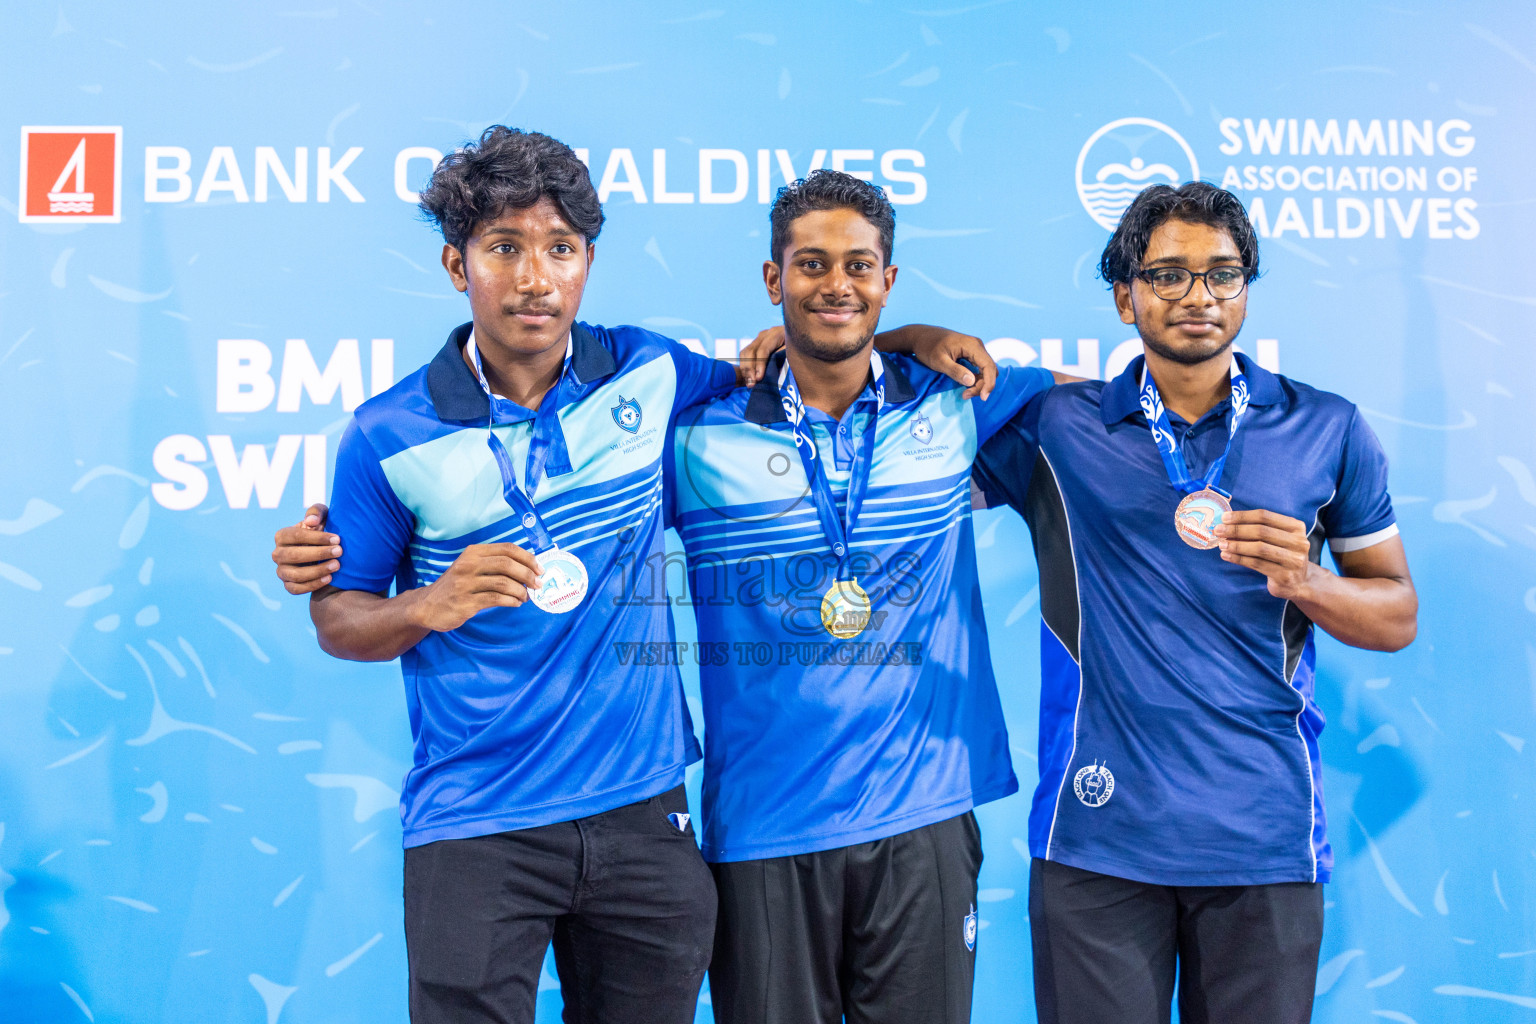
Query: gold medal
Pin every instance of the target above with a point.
(845, 609)
(1197, 517)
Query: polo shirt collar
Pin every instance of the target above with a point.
(1121, 397)
(590, 359)
(456, 392)
(764, 405)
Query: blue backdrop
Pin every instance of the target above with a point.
(197, 807)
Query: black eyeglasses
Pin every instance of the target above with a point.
(1173, 283)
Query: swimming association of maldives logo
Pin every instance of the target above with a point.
(71, 174)
(627, 414)
(1124, 157)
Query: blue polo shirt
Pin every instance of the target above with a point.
(812, 742)
(1178, 725)
(521, 717)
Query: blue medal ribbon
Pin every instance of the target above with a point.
(838, 531)
(546, 452)
(1168, 445)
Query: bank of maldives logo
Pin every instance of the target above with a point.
(627, 414)
(71, 174)
(1124, 157)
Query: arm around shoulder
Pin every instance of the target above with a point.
(945, 351)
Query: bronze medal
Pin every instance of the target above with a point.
(1197, 517)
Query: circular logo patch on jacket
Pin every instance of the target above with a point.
(1094, 785)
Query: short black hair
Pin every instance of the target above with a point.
(1198, 202)
(831, 190)
(509, 169)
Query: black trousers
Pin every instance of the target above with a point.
(1107, 949)
(879, 933)
(624, 896)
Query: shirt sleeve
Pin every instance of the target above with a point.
(1360, 514)
(1016, 385)
(699, 378)
(1004, 464)
(374, 527)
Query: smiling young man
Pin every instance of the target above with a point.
(503, 489)
(1179, 513)
(851, 717)
(499, 488)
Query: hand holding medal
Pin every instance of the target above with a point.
(1205, 506)
(1272, 544)
(563, 583)
(483, 576)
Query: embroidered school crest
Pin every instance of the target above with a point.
(627, 414)
(922, 429)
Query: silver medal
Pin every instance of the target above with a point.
(564, 583)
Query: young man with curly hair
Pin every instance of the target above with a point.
(545, 802)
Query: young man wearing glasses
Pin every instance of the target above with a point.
(1179, 513)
